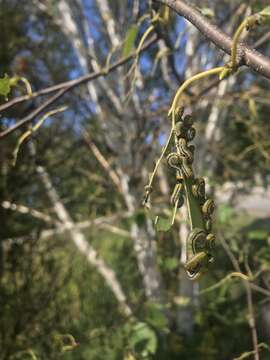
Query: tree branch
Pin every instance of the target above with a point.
(250, 306)
(26, 210)
(63, 88)
(102, 160)
(245, 55)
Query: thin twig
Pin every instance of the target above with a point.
(102, 160)
(26, 210)
(63, 88)
(251, 315)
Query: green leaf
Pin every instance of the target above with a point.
(163, 224)
(258, 234)
(143, 339)
(252, 107)
(225, 213)
(7, 82)
(170, 263)
(265, 11)
(156, 316)
(265, 16)
(5, 85)
(207, 12)
(130, 39)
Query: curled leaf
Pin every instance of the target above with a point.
(6, 83)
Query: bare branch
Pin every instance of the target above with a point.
(28, 211)
(247, 285)
(246, 55)
(63, 88)
(102, 160)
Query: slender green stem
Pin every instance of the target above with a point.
(29, 132)
(236, 37)
(174, 211)
(249, 22)
(160, 158)
(132, 70)
(27, 85)
(189, 81)
(225, 279)
(147, 32)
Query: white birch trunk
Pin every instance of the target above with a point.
(80, 241)
(145, 250)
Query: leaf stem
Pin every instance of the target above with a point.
(189, 81)
(247, 23)
(30, 131)
(236, 37)
(160, 158)
(147, 32)
(27, 85)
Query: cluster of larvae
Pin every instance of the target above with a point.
(189, 189)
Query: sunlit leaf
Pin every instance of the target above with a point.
(7, 82)
(265, 11)
(163, 224)
(5, 85)
(143, 339)
(265, 15)
(258, 234)
(252, 107)
(130, 40)
(207, 12)
(156, 316)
